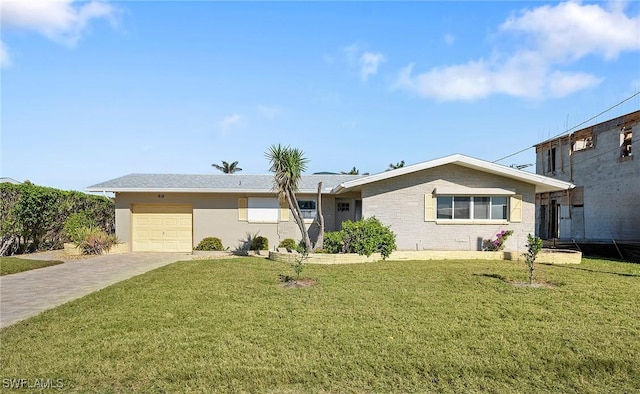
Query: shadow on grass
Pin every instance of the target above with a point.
(590, 270)
(495, 276)
(545, 284)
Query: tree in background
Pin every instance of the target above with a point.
(354, 171)
(32, 218)
(395, 166)
(228, 168)
(288, 164)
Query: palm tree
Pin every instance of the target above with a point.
(288, 164)
(354, 171)
(395, 166)
(228, 168)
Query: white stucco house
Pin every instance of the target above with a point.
(450, 203)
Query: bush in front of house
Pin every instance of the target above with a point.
(92, 240)
(365, 237)
(76, 225)
(210, 244)
(289, 244)
(259, 243)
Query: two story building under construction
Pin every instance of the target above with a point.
(604, 207)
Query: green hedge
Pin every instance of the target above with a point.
(33, 217)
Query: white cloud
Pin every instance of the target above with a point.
(366, 62)
(572, 30)
(369, 63)
(269, 112)
(229, 122)
(449, 39)
(58, 20)
(5, 61)
(557, 36)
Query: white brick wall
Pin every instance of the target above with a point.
(399, 202)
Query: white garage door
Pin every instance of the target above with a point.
(162, 228)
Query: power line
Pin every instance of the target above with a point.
(576, 126)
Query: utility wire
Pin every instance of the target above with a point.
(576, 126)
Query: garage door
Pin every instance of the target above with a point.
(162, 228)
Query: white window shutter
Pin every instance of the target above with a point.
(242, 209)
(516, 208)
(284, 211)
(428, 208)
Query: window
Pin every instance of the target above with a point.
(343, 207)
(263, 210)
(308, 209)
(551, 160)
(479, 208)
(582, 144)
(625, 143)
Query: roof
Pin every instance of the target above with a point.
(542, 183)
(213, 183)
(9, 180)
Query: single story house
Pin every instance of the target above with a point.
(451, 203)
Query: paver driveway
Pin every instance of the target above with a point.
(29, 293)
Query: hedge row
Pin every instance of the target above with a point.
(32, 217)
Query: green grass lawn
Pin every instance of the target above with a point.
(12, 265)
(227, 325)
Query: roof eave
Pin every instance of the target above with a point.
(193, 190)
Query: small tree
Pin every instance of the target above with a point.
(227, 168)
(534, 245)
(353, 171)
(288, 164)
(320, 241)
(395, 166)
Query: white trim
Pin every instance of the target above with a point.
(542, 183)
(471, 191)
(471, 221)
(194, 190)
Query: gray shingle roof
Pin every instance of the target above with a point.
(221, 183)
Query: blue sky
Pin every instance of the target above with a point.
(95, 90)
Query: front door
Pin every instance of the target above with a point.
(345, 210)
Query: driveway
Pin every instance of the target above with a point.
(29, 293)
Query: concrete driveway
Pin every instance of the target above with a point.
(29, 293)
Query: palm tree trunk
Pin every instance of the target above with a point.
(297, 216)
(320, 240)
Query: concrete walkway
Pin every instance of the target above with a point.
(29, 293)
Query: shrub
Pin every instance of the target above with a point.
(364, 237)
(210, 244)
(534, 245)
(498, 243)
(289, 244)
(74, 225)
(333, 242)
(260, 243)
(95, 240)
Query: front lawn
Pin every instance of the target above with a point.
(12, 265)
(227, 325)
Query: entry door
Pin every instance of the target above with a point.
(565, 222)
(162, 228)
(345, 210)
(554, 220)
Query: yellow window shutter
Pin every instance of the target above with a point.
(242, 209)
(428, 208)
(516, 208)
(284, 211)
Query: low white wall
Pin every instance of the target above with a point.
(553, 256)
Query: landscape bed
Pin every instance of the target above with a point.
(452, 326)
